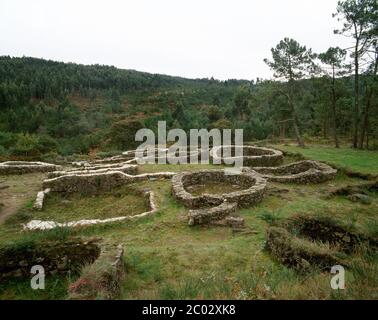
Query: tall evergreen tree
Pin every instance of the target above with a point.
(359, 19)
(292, 62)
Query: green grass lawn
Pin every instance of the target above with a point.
(357, 160)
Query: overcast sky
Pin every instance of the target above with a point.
(190, 38)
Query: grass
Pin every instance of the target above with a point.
(212, 187)
(363, 161)
(167, 259)
(20, 289)
(119, 202)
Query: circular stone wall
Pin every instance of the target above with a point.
(21, 167)
(307, 171)
(252, 155)
(252, 184)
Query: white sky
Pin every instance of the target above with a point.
(190, 38)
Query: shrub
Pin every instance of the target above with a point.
(122, 134)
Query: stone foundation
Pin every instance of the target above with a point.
(209, 208)
(297, 253)
(169, 157)
(208, 215)
(58, 257)
(93, 169)
(253, 185)
(93, 183)
(22, 167)
(102, 279)
(252, 155)
(307, 171)
(302, 242)
(39, 201)
(46, 225)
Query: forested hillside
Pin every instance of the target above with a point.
(51, 108)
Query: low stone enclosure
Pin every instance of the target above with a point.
(101, 279)
(357, 192)
(123, 167)
(22, 167)
(47, 225)
(252, 156)
(91, 178)
(93, 183)
(302, 242)
(100, 266)
(168, 156)
(56, 257)
(213, 207)
(307, 171)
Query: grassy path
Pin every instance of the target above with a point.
(357, 160)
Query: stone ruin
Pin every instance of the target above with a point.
(47, 225)
(252, 156)
(99, 265)
(22, 167)
(39, 200)
(207, 208)
(58, 257)
(302, 242)
(307, 171)
(101, 279)
(93, 183)
(95, 169)
(91, 180)
(116, 160)
(169, 155)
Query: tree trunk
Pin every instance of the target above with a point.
(365, 122)
(294, 116)
(296, 128)
(334, 109)
(369, 95)
(367, 138)
(356, 96)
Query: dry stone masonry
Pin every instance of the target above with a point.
(125, 168)
(252, 155)
(302, 242)
(214, 207)
(38, 203)
(252, 184)
(307, 171)
(102, 279)
(93, 183)
(208, 215)
(22, 167)
(47, 225)
(57, 257)
(90, 178)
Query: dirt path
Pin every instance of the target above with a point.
(16, 191)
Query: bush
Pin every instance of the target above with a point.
(26, 145)
(122, 134)
(3, 152)
(221, 124)
(7, 139)
(47, 144)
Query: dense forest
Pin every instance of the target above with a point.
(52, 108)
